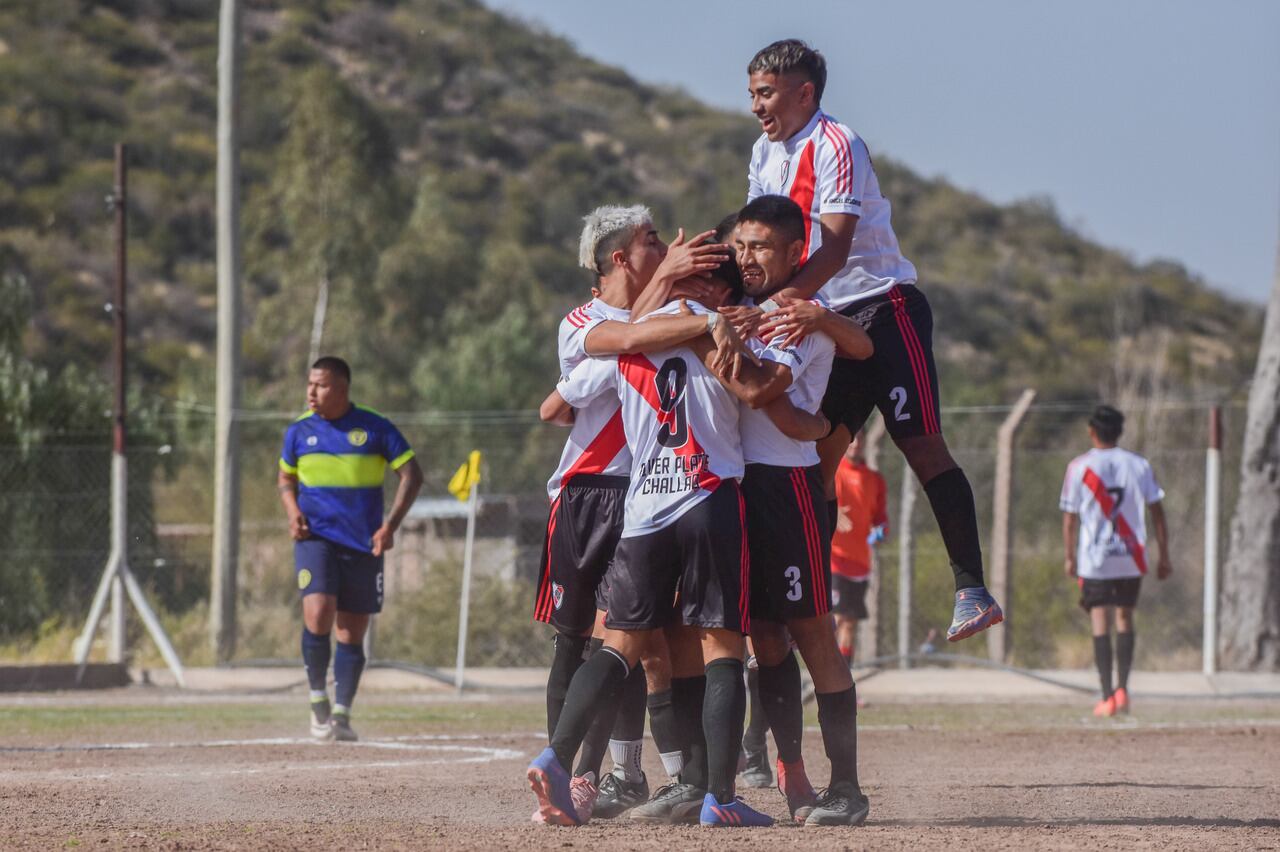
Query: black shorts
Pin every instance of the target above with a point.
(899, 378)
(790, 541)
(354, 577)
(702, 556)
(849, 597)
(1121, 592)
(582, 535)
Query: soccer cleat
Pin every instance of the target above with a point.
(842, 804)
(320, 712)
(618, 795)
(735, 814)
(1121, 697)
(669, 798)
(537, 818)
(794, 784)
(1105, 707)
(975, 611)
(583, 791)
(756, 773)
(342, 730)
(550, 783)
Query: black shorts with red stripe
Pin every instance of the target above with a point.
(790, 542)
(692, 571)
(899, 378)
(582, 535)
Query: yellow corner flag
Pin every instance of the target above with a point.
(466, 478)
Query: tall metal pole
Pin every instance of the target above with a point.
(998, 641)
(1212, 494)
(906, 564)
(119, 415)
(464, 606)
(226, 462)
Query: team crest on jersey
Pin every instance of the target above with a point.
(786, 170)
(304, 578)
(557, 595)
(358, 437)
(312, 440)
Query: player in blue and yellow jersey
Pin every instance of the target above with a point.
(331, 470)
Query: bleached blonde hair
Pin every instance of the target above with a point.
(607, 229)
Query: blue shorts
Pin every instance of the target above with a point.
(353, 576)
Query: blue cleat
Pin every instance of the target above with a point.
(975, 611)
(736, 814)
(550, 783)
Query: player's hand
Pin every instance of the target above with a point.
(746, 320)
(298, 527)
(695, 257)
(383, 540)
(875, 536)
(730, 348)
(795, 320)
(1163, 568)
(1069, 567)
(692, 287)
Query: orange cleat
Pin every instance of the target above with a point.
(1122, 700)
(1105, 707)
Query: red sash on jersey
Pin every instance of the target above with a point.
(1099, 490)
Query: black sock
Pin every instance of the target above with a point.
(598, 680)
(1124, 658)
(780, 697)
(723, 710)
(953, 508)
(688, 697)
(838, 718)
(753, 741)
(833, 515)
(567, 659)
(1102, 657)
(629, 723)
(316, 651)
(348, 664)
(595, 745)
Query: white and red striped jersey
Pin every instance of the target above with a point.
(1110, 489)
(810, 364)
(826, 168)
(596, 443)
(681, 425)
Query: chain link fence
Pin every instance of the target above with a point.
(55, 515)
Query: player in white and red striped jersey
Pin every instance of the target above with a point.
(1104, 530)
(852, 257)
(623, 250)
(683, 541)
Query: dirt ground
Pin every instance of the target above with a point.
(143, 771)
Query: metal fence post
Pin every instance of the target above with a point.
(1001, 583)
(1212, 494)
(868, 642)
(906, 557)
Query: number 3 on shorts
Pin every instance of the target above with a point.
(793, 577)
(899, 397)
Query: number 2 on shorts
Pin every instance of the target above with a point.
(899, 397)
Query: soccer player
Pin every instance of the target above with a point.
(1104, 534)
(851, 256)
(788, 532)
(682, 534)
(331, 470)
(622, 250)
(861, 522)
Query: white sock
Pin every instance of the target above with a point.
(673, 762)
(626, 755)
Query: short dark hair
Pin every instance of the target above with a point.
(792, 56)
(725, 229)
(729, 273)
(1107, 424)
(778, 212)
(334, 365)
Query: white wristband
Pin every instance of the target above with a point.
(713, 319)
(769, 305)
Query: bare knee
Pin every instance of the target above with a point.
(1124, 619)
(770, 642)
(351, 627)
(685, 649)
(928, 455)
(318, 613)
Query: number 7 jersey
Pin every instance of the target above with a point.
(680, 423)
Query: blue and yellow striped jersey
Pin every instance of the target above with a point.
(340, 465)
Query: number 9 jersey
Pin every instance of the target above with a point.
(681, 425)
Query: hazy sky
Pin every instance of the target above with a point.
(1154, 125)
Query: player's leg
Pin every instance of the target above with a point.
(594, 745)
(1126, 600)
(317, 575)
(756, 770)
(359, 597)
(1100, 623)
(626, 786)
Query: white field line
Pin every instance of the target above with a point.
(412, 742)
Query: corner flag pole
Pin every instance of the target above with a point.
(466, 485)
(117, 578)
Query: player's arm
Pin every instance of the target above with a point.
(287, 485)
(612, 337)
(795, 423)
(693, 259)
(757, 383)
(796, 319)
(1070, 534)
(555, 410)
(406, 492)
(1163, 567)
(830, 258)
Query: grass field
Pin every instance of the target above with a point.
(159, 769)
